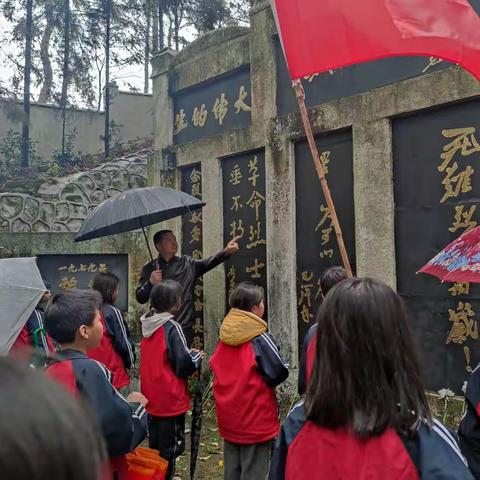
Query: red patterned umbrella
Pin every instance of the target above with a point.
(459, 261)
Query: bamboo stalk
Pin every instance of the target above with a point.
(300, 93)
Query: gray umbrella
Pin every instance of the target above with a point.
(21, 288)
(135, 209)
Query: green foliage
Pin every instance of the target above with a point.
(69, 157)
(53, 170)
(207, 15)
(11, 155)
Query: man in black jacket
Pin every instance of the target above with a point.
(184, 269)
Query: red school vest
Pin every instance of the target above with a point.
(247, 409)
(337, 454)
(166, 393)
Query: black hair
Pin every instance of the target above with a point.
(330, 277)
(366, 374)
(68, 310)
(245, 296)
(166, 295)
(106, 283)
(157, 238)
(46, 433)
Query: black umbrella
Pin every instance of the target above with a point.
(135, 209)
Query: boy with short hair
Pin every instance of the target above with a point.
(73, 320)
(247, 367)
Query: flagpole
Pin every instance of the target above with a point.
(300, 93)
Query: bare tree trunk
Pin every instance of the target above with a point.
(26, 86)
(66, 71)
(100, 92)
(170, 28)
(106, 137)
(147, 48)
(170, 32)
(99, 66)
(100, 89)
(46, 90)
(161, 30)
(155, 39)
(176, 21)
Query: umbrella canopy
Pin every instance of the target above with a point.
(459, 261)
(135, 209)
(21, 288)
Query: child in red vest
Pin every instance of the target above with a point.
(166, 363)
(247, 368)
(72, 319)
(116, 350)
(365, 414)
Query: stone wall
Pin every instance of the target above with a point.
(47, 222)
(367, 117)
(63, 204)
(131, 114)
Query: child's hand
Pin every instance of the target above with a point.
(137, 397)
(200, 352)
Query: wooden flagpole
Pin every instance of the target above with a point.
(300, 93)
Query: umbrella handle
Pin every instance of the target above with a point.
(36, 334)
(146, 240)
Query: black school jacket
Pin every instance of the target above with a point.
(123, 425)
(469, 430)
(185, 270)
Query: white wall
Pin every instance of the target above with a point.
(131, 112)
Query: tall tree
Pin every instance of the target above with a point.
(66, 72)
(146, 82)
(26, 85)
(136, 33)
(46, 91)
(161, 29)
(176, 22)
(48, 45)
(206, 15)
(108, 13)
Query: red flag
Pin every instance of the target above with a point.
(321, 35)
